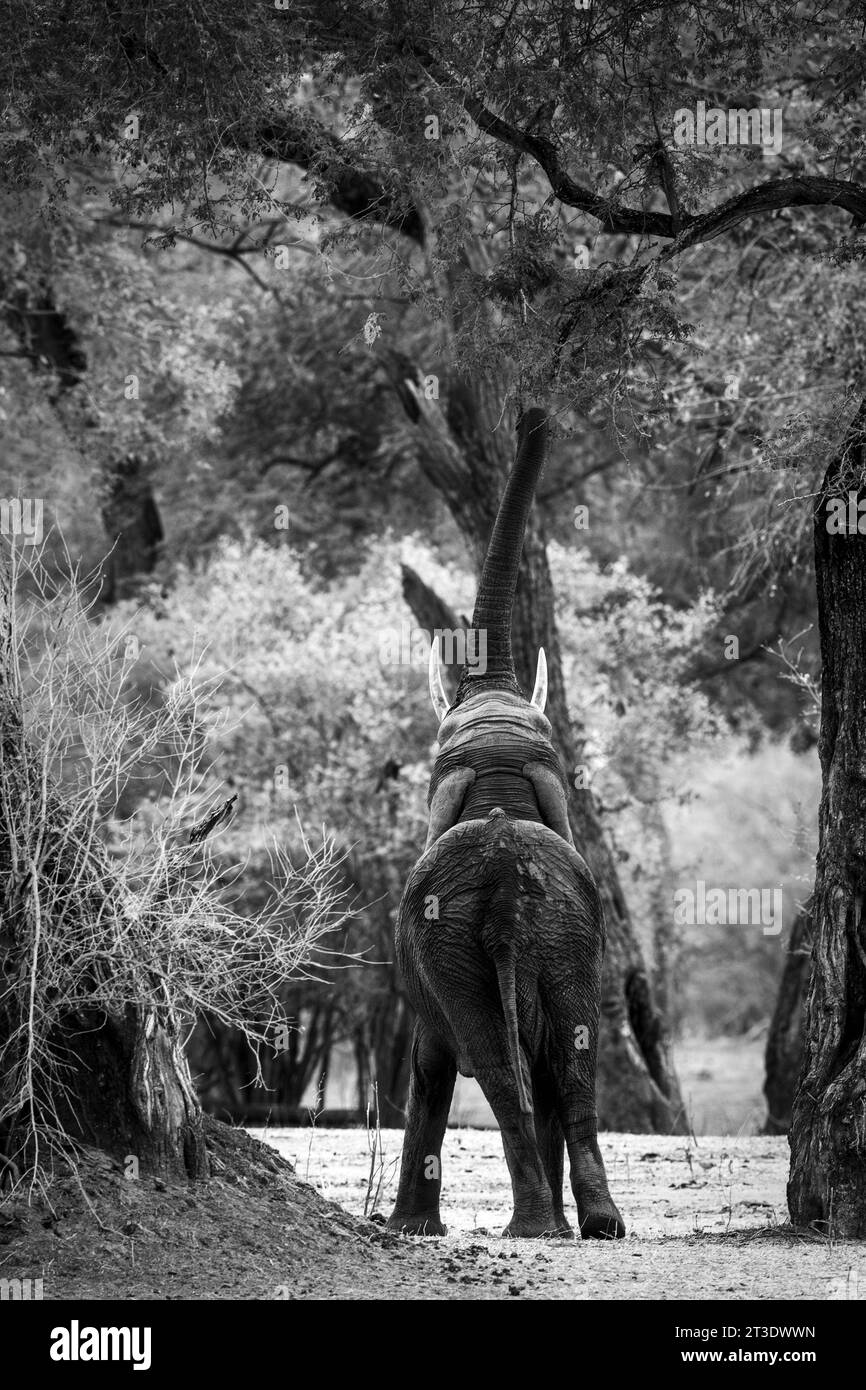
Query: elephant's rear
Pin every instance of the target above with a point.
(495, 901)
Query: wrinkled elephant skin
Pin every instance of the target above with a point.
(490, 902)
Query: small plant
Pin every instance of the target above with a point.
(378, 1167)
(314, 1112)
(374, 1143)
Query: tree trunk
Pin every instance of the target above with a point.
(827, 1184)
(666, 943)
(133, 526)
(784, 1053)
(131, 1095)
(363, 1077)
(43, 331)
(124, 1086)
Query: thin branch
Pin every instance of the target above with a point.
(359, 193)
(234, 252)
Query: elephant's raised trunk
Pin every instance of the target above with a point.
(495, 600)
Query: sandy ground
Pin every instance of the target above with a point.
(706, 1219)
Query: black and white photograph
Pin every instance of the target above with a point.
(433, 666)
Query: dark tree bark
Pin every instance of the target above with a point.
(468, 460)
(130, 1093)
(133, 526)
(827, 1184)
(783, 1057)
(45, 333)
(362, 194)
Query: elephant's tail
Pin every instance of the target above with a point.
(508, 994)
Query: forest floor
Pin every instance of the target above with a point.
(706, 1219)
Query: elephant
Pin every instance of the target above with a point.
(500, 930)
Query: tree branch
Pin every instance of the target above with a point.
(803, 190)
(359, 193)
(432, 612)
(235, 252)
(312, 466)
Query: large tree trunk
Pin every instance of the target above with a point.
(468, 460)
(827, 1184)
(783, 1057)
(131, 1094)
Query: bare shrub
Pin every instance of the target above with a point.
(99, 916)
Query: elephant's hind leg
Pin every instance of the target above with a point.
(534, 1213)
(551, 1142)
(571, 1060)
(431, 1086)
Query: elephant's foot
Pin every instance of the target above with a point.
(548, 1227)
(597, 1216)
(419, 1225)
(600, 1220)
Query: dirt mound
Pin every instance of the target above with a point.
(252, 1231)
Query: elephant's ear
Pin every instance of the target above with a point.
(437, 690)
(539, 694)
